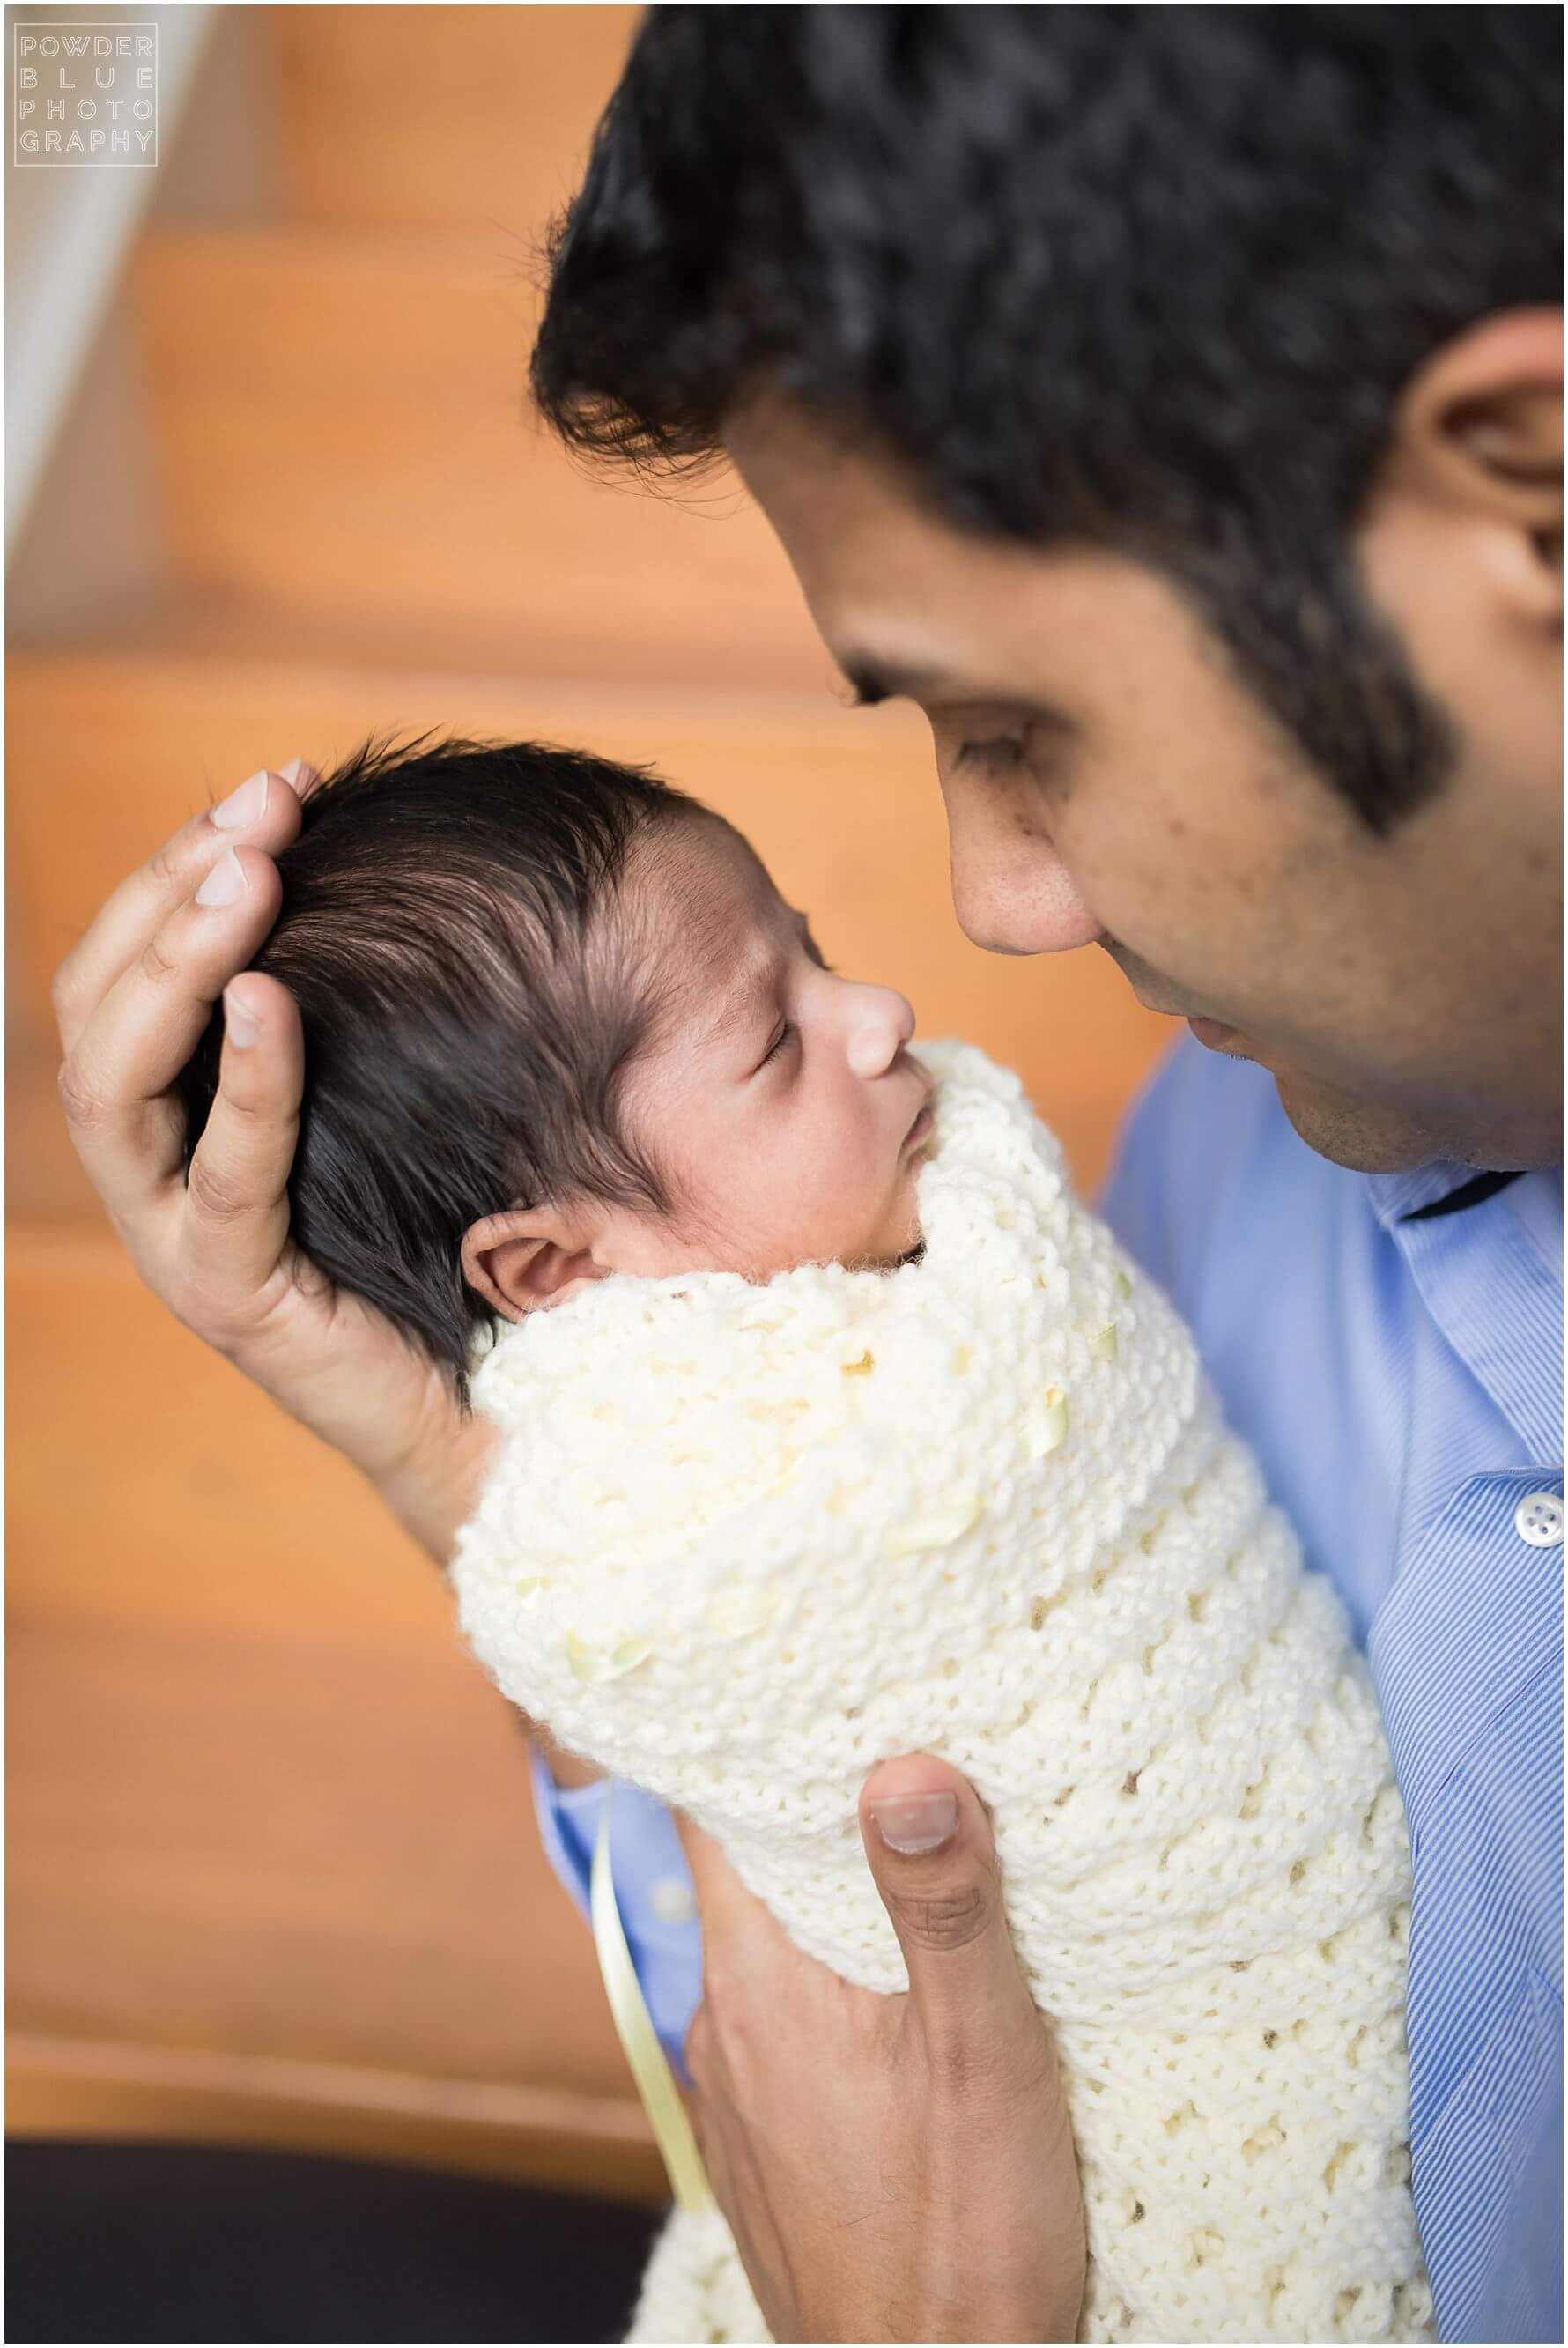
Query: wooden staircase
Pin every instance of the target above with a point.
(273, 1875)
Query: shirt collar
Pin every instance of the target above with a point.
(1488, 1289)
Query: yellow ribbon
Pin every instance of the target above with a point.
(634, 2027)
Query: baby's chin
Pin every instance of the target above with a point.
(899, 1242)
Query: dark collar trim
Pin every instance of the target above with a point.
(1468, 1194)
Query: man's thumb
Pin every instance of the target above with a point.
(928, 1845)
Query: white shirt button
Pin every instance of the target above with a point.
(1539, 1520)
(671, 1900)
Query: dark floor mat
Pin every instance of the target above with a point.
(107, 2242)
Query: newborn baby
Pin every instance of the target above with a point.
(850, 1432)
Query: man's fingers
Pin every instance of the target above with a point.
(300, 777)
(115, 1081)
(928, 1845)
(237, 1207)
(262, 812)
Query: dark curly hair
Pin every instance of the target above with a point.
(1147, 278)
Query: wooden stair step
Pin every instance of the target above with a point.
(260, 1804)
(125, 1427)
(454, 115)
(843, 807)
(341, 425)
(279, 1890)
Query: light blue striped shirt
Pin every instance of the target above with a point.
(1398, 1372)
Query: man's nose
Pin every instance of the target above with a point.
(1012, 892)
(880, 1024)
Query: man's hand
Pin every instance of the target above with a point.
(891, 2167)
(131, 1002)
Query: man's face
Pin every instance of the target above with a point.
(1108, 781)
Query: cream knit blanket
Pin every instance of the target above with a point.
(742, 1542)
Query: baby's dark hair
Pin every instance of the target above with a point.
(469, 1009)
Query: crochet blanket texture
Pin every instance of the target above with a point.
(742, 1541)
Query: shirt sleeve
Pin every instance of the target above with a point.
(652, 1890)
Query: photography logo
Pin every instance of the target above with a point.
(86, 96)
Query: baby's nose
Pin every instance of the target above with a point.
(881, 1025)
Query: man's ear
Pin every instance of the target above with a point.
(1478, 430)
(529, 1257)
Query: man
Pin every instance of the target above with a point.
(1168, 401)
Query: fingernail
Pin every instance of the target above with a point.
(293, 773)
(225, 884)
(917, 1822)
(242, 806)
(238, 1025)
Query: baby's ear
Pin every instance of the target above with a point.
(527, 1259)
